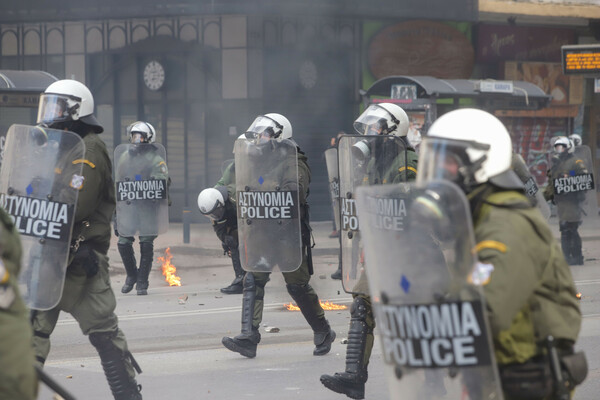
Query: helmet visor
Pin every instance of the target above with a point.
(263, 129)
(373, 121)
(54, 108)
(443, 159)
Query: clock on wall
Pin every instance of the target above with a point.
(154, 75)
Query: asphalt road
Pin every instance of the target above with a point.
(175, 334)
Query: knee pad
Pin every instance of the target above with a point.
(249, 283)
(359, 309)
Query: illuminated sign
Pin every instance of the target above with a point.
(581, 59)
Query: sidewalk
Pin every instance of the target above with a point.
(203, 241)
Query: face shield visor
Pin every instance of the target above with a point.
(373, 121)
(451, 160)
(56, 108)
(264, 129)
(138, 137)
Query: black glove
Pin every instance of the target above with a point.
(88, 260)
(116, 231)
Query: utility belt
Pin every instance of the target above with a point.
(549, 377)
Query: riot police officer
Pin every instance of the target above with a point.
(134, 158)
(569, 205)
(538, 319)
(215, 203)
(87, 294)
(18, 380)
(270, 146)
(388, 164)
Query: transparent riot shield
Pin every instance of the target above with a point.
(363, 160)
(573, 180)
(531, 188)
(39, 183)
(268, 205)
(141, 177)
(334, 183)
(434, 334)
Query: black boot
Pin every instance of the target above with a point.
(338, 273)
(122, 386)
(146, 256)
(307, 300)
(237, 286)
(246, 342)
(352, 381)
(128, 257)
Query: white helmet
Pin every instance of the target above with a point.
(562, 143)
(144, 129)
(576, 139)
(469, 147)
(65, 101)
(274, 126)
(211, 202)
(382, 119)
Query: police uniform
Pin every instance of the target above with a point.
(140, 161)
(87, 294)
(297, 282)
(18, 379)
(530, 293)
(568, 206)
(402, 168)
(226, 230)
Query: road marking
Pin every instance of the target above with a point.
(587, 282)
(170, 314)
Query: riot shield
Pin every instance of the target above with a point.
(431, 314)
(39, 183)
(531, 188)
(268, 205)
(334, 183)
(573, 179)
(363, 160)
(141, 177)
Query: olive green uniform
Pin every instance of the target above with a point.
(568, 206)
(89, 299)
(530, 294)
(18, 379)
(301, 276)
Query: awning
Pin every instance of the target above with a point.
(25, 81)
(487, 92)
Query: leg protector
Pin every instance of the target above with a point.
(146, 256)
(352, 381)
(246, 342)
(308, 301)
(128, 257)
(122, 386)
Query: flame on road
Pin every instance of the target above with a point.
(326, 306)
(578, 295)
(168, 269)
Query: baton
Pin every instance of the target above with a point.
(562, 393)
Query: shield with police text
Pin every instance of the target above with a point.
(425, 284)
(40, 180)
(532, 190)
(334, 183)
(364, 160)
(268, 205)
(141, 177)
(573, 180)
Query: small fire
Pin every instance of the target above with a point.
(326, 306)
(168, 269)
(578, 295)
